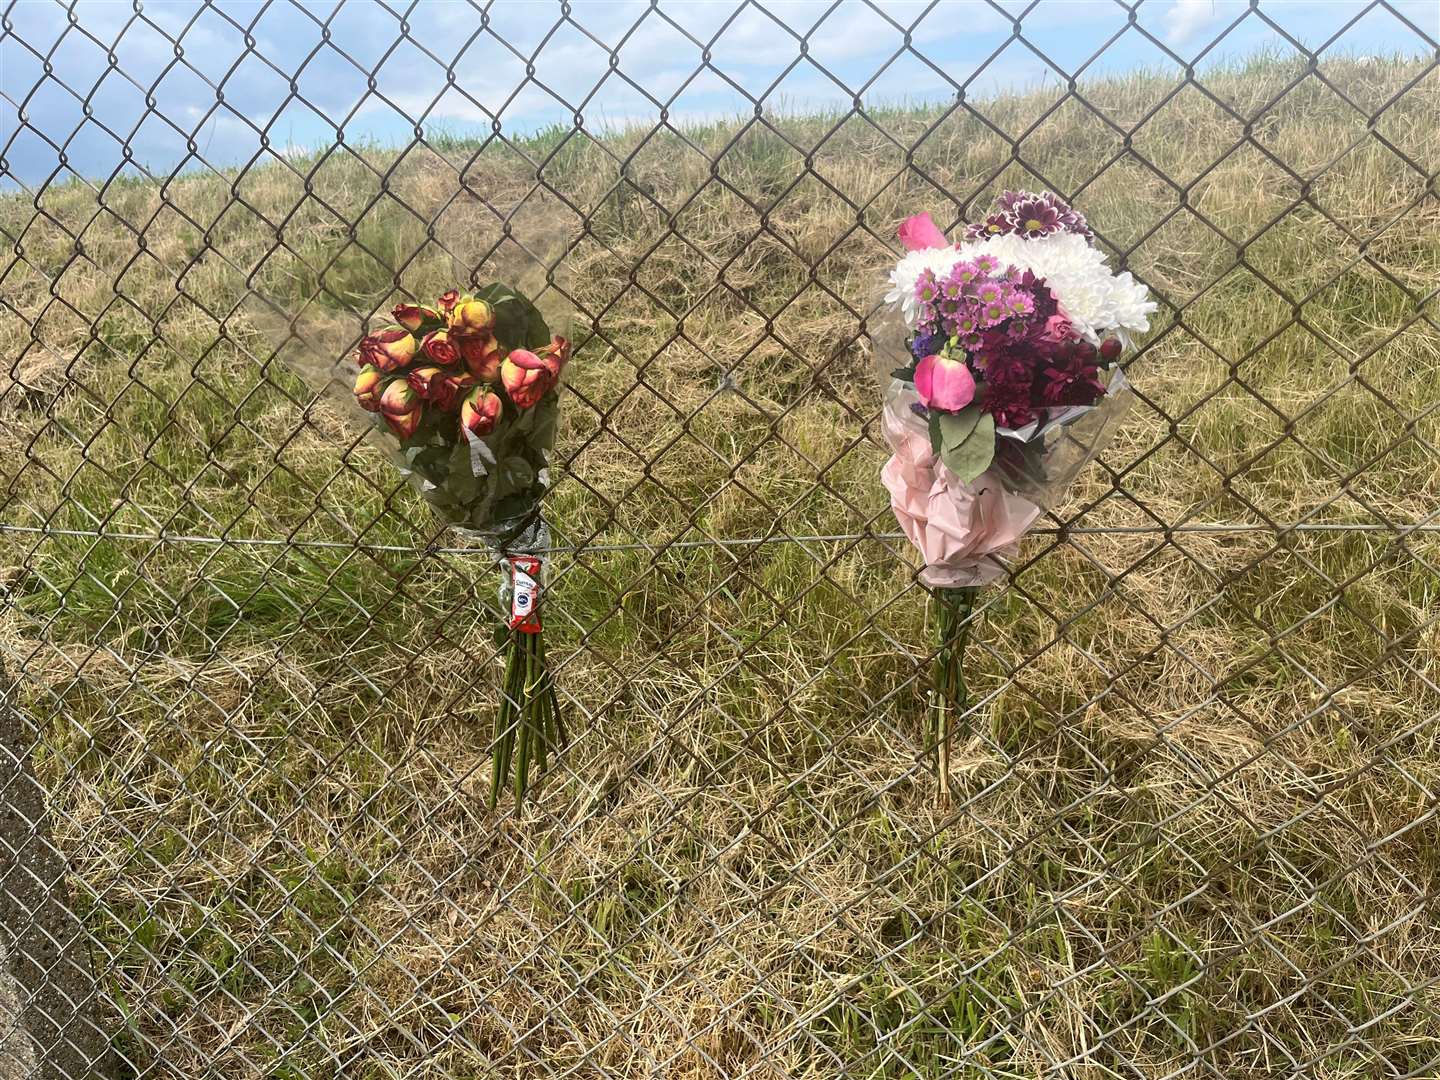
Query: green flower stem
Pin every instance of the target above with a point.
(526, 734)
(528, 726)
(948, 696)
(505, 714)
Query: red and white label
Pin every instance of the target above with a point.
(525, 594)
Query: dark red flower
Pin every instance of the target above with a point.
(1011, 414)
(1009, 370)
(1072, 380)
(1045, 303)
(1009, 382)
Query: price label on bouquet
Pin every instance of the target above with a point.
(525, 594)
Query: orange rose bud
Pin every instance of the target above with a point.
(446, 391)
(555, 355)
(404, 426)
(401, 406)
(526, 378)
(482, 357)
(413, 316)
(471, 316)
(425, 381)
(448, 301)
(439, 349)
(480, 411)
(388, 350)
(367, 388)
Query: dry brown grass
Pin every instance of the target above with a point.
(1197, 816)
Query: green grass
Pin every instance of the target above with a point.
(1194, 807)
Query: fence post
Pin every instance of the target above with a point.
(48, 1029)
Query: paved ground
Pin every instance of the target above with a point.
(42, 946)
(17, 1055)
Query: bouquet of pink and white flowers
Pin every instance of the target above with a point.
(1007, 382)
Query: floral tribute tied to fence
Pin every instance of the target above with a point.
(469, 391)
(1010, 384)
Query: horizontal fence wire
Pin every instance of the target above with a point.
(248, 681)
(1211, 528)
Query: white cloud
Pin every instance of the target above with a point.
(1186, 18)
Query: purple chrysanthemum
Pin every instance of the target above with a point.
(1030, 214)
(1036, 217)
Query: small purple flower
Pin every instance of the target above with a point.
(994, 225)
(1007, 200)
(1037, 217)
(923, 345)
(1073, 221)
(926, 287)
(919, 409)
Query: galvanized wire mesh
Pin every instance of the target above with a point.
(249, 677)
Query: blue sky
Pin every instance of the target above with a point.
(450, 70)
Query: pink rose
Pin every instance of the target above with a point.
(1057, 329)
(944, 384)
(919, 232)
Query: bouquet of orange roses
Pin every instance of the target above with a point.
(468, 389)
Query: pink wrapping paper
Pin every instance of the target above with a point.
(962, 531)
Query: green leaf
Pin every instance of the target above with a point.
(973, 456)
(431, 462)
(937, 442)
(518, 322)
(461, 484)
(513, 506)
(955, 428)
(904, 374)
(547, 415)
(514, 474)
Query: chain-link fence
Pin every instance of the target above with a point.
(250, 678)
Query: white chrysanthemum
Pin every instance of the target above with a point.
(1089, 295)
(907, 273)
